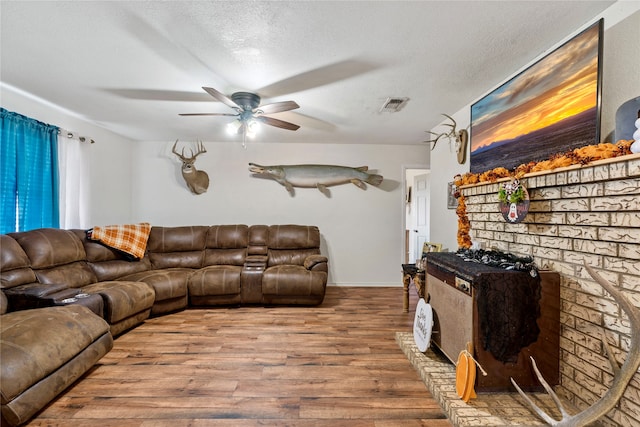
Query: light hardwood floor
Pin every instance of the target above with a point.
(337, 364)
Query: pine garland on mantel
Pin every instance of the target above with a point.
(464, 225)
(579, 156)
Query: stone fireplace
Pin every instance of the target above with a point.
(580, 214)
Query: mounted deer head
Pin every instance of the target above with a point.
(622, 374)
(197, 181)
(460, 136)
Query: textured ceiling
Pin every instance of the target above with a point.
(132, 67)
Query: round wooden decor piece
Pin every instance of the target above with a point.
(422, 324)
(465, 376)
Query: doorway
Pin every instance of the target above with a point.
(416, 208)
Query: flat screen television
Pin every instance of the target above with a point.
(551, 107)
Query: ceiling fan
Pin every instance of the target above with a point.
(249, 112)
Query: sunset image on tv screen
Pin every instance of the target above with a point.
(552, 107)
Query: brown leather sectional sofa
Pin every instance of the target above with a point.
(67, 296)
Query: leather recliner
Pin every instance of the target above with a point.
(219, 280)
(44, 351)
(296, 272)
(58, 260)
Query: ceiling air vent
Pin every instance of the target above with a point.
(393, 105)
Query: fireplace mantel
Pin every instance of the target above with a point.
(579, 214)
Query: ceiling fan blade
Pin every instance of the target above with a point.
(328, 74)
(221, 97)
(172, 46)
(277, 107)
(159, 95)
(277, 123)
(308, 122)
(207, 114)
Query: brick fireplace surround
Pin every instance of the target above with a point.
(578, 214)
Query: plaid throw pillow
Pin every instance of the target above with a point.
(130, 238)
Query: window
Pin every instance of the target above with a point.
(28, 173)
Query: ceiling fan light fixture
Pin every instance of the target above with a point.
(233, 127)
(252, 127)
(249, 127)
(393, 105)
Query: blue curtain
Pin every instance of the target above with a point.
(28, 173)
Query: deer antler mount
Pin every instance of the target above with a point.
(460, 137)
(197, 181)
(623, 374)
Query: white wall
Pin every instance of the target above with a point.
(621, 82)
(444, 166)
(110, 163)
(362, 231)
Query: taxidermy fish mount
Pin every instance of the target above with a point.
(318, 176)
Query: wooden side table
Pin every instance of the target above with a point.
(411, 274)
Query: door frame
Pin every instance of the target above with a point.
(420, 166)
